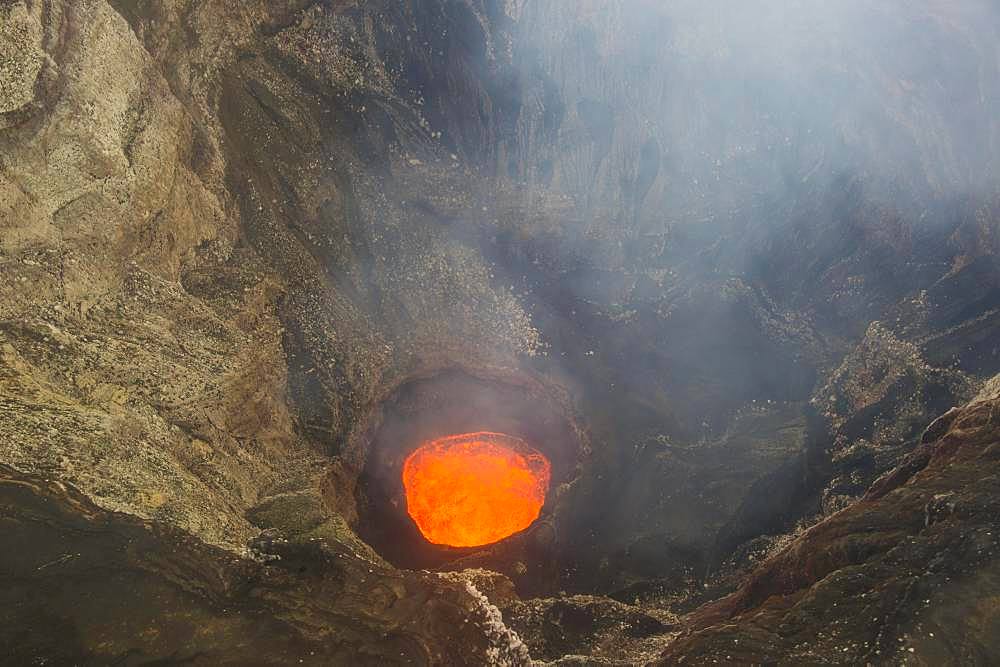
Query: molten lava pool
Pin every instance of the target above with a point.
(474, 489)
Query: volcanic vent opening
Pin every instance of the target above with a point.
(463, 471)
(474, 489)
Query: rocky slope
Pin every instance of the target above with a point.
(91, 587)
(908, 573)
(235, 238)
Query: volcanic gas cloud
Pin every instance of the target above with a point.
(474, 489)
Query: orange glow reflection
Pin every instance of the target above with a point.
(474, 489)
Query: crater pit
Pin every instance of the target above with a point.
(468, 471)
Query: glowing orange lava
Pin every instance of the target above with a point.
(474, 489)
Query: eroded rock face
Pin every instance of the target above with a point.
(21, 57)
(141, 355)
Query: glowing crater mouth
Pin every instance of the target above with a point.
(474, 489)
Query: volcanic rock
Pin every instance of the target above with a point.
(737, 281)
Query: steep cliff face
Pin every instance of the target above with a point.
(141, 353)
(735, 259)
